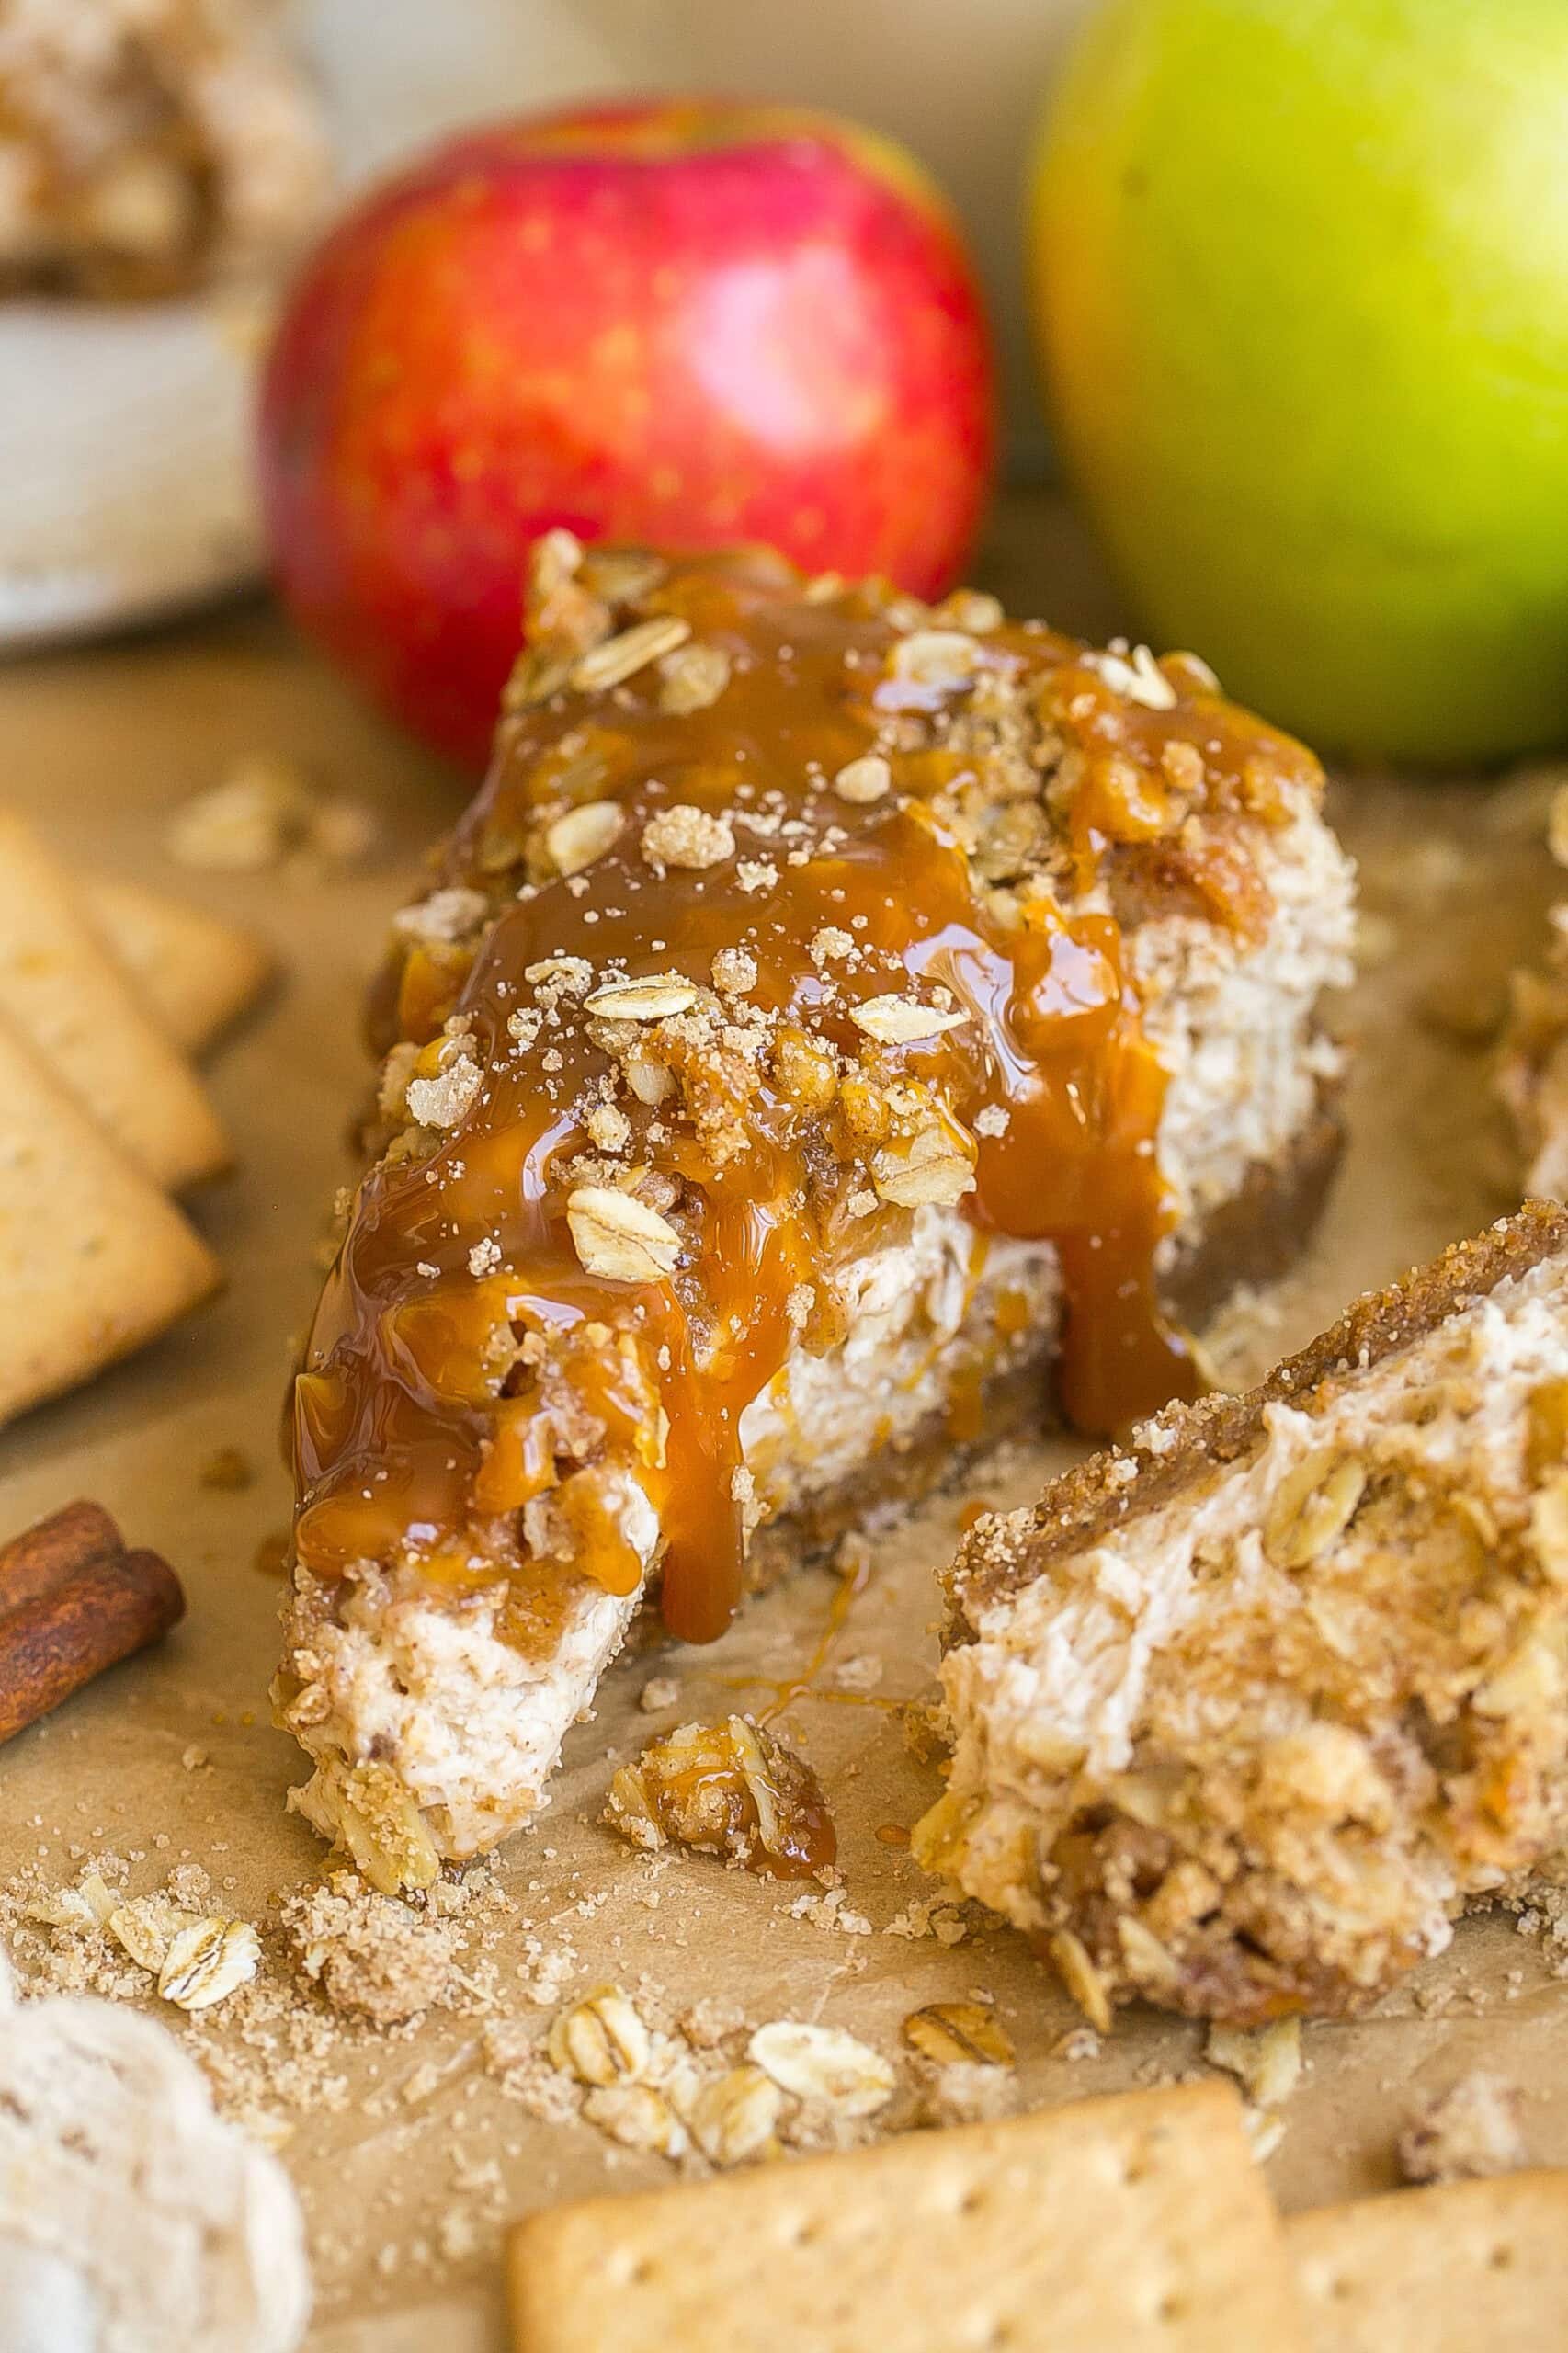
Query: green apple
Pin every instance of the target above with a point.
(1300, 276)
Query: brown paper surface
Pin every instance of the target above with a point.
(101, 747)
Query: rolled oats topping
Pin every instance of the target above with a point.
(207, 1961)
(958, 2034)
(584, 834)
(603, 2040)
(620, 658)
(823, 2063)
(654, 999)
(619, 1237)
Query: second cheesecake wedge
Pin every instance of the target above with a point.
(1245, 1714)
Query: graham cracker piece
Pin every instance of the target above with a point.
(196, 973)
(1139, 2222)
(93, 1260)
(1468, 2265)
(64, 990)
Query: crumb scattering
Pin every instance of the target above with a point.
(1466, 2132)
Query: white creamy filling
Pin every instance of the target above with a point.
(1234, 1028)
(1062, 1670)
(822, 1416)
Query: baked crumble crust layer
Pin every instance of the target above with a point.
(829, 1004)
(1246, 1713)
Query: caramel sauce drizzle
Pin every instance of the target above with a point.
(459, 1315)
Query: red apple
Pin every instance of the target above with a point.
(686, 321)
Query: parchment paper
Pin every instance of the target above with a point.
(101, 747)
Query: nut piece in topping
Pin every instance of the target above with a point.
(602, 2040)
(734, 972)
(823, 2063)
(958, 2034)
(685, 835)
(575, 840)
(620, 658)
(445, 916)
(974, 610)
(208, 1961)
(865, 779)
(901, 1020)
(730, 1789)
(618, 1236)
(657, 998)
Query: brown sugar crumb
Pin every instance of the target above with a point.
(711, 2022)
(264, 813)
(1468, 2131)
(732, 1790)
(687, 836)
(371, 1955)
(515, 2057)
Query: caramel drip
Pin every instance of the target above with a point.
(420, 1430)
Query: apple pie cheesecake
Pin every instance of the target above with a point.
(144, 143)
(1245, 1714)
(840, 1030)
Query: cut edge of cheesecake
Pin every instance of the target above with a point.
(1243, 1713)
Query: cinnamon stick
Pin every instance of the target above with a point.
(42, 1556)
(73, 1602)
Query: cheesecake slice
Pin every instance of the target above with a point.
(1245, 1714)
(839, 1032)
